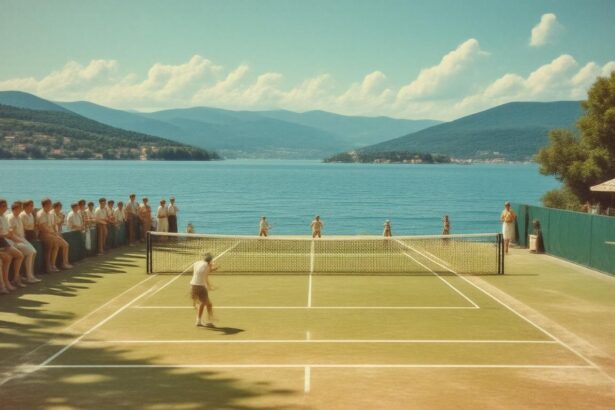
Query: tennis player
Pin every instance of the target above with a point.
(201, 287)
(317, 226)
(263, 227)
(387, 229)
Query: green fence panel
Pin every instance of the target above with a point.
(569, 235)
(603, 253)
(522, 224)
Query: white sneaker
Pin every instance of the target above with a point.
(33, 280)
(198, 322)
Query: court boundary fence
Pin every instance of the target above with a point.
(574, 236)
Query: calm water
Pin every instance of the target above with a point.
(230, 196)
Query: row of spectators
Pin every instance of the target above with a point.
(22, 225)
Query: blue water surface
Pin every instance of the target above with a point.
(230, 196)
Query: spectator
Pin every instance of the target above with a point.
(51, 239)
(172, 211)
(387, 229)
(100, 216)
(508, 217)
(16, 228)
(145, 216)
(131, 218)
(90, 219)
(161, 214)
(27, 219)
(119, 215)
(7, 241)
(59, 216)
(5, 265)
(110, 212)
(74, 222)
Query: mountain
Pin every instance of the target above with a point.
(38, 134)
(513, 131)
(361, 130)
(24, 100)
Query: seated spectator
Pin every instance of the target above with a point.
(52, 240)
(5, 265)
(16, 229)
(7, 241)
(73, 220)
(27, 219)
(59, 216)
(100, 216)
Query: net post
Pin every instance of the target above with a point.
(148, 252)
(500, 254)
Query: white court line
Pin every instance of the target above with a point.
(306, 379)
(528, 320)
(66, 329)
(323, 341)
(312, 257)
(318, 366)
(438, 276)
(317, 307)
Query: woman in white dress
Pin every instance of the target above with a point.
(508, 218)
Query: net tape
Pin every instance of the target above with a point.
(461, 253)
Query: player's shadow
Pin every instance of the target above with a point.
(224, 330)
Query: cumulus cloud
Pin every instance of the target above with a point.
(436, 81)
(545, 30)
(434, 93)
(561, 79)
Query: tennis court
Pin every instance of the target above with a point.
(312, 339)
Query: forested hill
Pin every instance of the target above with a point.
(36, 134)
(513, 131)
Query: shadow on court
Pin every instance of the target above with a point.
(31, 318)
(224, 330)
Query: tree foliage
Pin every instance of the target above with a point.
(586, 158)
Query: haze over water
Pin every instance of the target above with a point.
(230, 196)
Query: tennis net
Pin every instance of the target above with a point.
(463, 253)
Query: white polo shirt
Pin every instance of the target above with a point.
(4, 225)
(172, 210)
(16, 225)
(44, 218)
(199, 270)
(74, 221)
(100, 214)
(118, 214)
(27, 220)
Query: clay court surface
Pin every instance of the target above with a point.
(106, 335)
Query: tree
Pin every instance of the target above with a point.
(585, 159)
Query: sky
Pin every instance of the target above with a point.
(431, 59)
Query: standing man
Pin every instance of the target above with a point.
(508, 218)
(387, 229)
(131, 218)
(73, 219)
(100, 215)
(317, 226)
(145, 216)
(172, 211)
(201, 288)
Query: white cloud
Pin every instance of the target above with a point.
(436, 81)
(435, 92)
(561, 79)
(545, 30)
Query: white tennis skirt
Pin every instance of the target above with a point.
(508, 230)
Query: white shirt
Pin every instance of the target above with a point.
(199, 272)
(118, 214)
(172, 210)
(27, 220)
(46, 218)
(4, 225)
(100, 215)
(162, 212)
(16, 225)
(74, 221)
(131, 208)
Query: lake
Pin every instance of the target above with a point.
(230, 196)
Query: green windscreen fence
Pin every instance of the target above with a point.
(582, 238)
